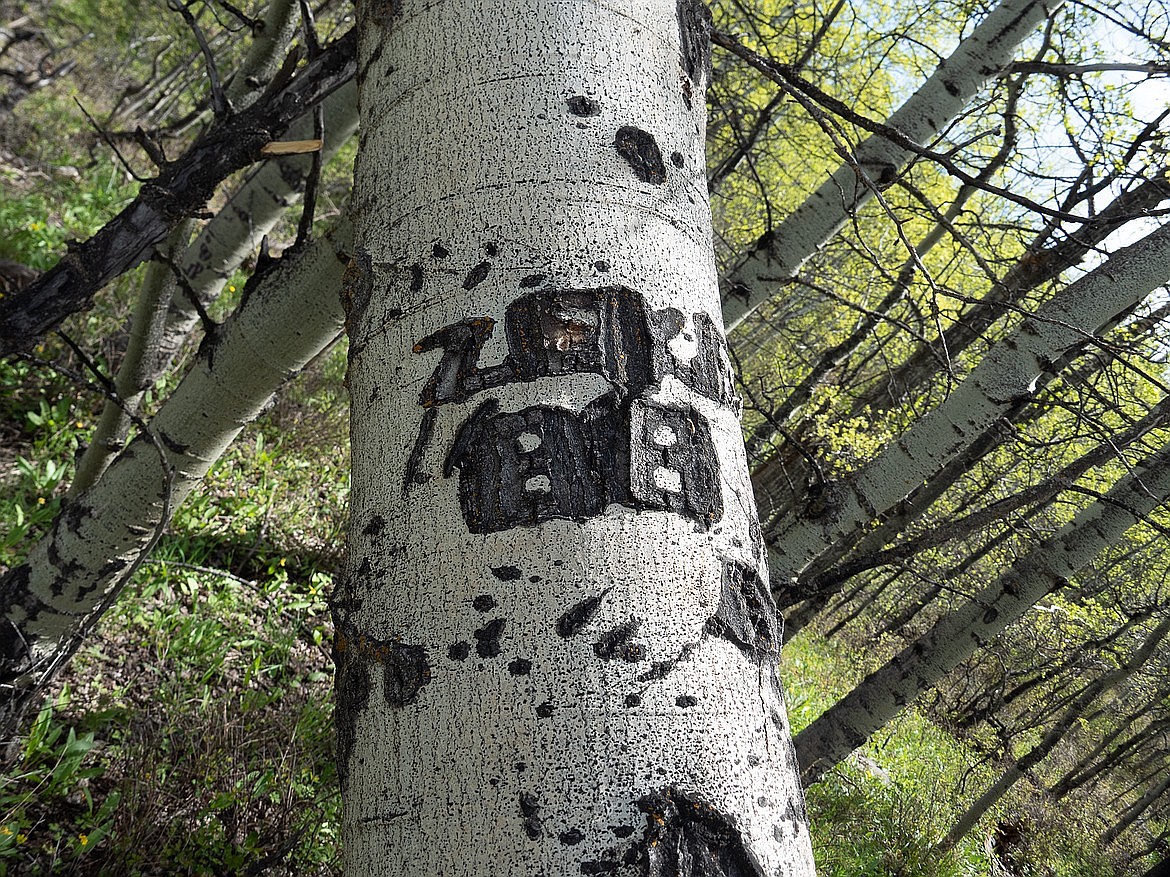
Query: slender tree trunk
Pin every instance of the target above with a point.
(556, 653)
(1008, 374)
(53, 598)
(172, 294)
(137, 372)
(1131, 814)
(1097, 761)
(955, 637)
(1039, 265)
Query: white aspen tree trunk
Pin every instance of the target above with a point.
(556, 650)
(138, 370)
(251, 213)
(1130, 815)
(780, 253)
(957, 635)
(290, 315)
(265, 55)
(163, 322)
(1008, 374)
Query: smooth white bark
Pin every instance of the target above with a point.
(555, 650)
(779, 254)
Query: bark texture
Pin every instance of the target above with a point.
(555, 643)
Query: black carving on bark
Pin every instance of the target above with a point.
(687, 837)
(574, 465)
(746, 616)
(641, 152)
(522, 467)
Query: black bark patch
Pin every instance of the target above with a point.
(74, 513)
(376, 525)
(641, 153)
(694, 32)
(519, 666)
(532, 280)
(439, 251)
(601, 265)
(622, 830)
(633, 700)
(507, 573)
(477, 275)
(173, 444)
(580, 105)
(572, 837)
(487, 638)
(491, 248)
(618, 643)
(687, 837)
(579, 614)
(405, 670)
(484, 603)
(709, 371)
(416, 278)
(662, 669)
(952, 89)
(459, 651)
(676, 158)
(357, 286)
(545, 710)
(746, 616)
(686, 700)
(599, 866)
(530, 810)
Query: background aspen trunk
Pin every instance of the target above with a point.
(556, 649)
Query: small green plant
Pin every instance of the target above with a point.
(52, 774)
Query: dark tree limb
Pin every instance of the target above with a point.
(181, 190)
